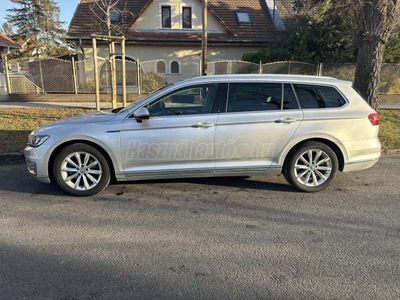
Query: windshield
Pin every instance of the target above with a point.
(123, 109)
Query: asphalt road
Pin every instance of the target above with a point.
(243, 238)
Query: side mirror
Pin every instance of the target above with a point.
(141, 114)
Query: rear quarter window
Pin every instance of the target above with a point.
(315, 96)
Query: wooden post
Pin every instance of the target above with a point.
(74, 75)
(96, 73)
(139, 77)
(8, 82)
(123, 72)
(204, 46)
(113, 77)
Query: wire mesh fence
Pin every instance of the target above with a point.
(50, 75)
(3, 84)
(53, 75)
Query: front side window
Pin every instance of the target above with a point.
(314, 96)
(254, 97)
(187, 17)
(192, 100)
(166, 16)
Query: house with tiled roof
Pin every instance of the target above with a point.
(6, 44)
(172, 30)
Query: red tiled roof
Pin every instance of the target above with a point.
(261, 31)
(7, 42)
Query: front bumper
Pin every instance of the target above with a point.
(36, 164)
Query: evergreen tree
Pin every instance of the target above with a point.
(7, 29)
(37, 24)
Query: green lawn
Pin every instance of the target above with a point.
(17, 123)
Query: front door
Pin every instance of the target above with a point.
(177, 139)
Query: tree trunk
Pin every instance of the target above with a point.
(369, 63)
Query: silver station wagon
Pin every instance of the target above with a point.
(304, 127)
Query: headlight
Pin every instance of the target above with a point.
(37, 140)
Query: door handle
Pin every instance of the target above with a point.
(286, 120)
(203, 125)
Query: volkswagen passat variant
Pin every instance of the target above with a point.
(304, 127)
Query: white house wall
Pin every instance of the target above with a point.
(188, 57)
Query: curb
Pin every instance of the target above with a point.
(12, 157)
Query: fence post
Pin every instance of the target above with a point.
(96, 73)
(8, 81)
(139, 78)
(260, 68)
(320, 69)
(41, 75)
(289, 67)
(74, 75)
(123, 72)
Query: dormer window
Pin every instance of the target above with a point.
(243, 17)
(187, 17)
(166, 16)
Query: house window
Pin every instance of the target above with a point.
(166, 16)
(187, 17)
(161, 67)
(243, 17)
(175, 67)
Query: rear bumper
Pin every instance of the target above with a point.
(360, 165)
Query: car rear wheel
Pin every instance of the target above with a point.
(81, 170)
(311, 167)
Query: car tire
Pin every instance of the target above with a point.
(81, 170)
(311, 167)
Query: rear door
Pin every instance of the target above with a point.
(259, 120)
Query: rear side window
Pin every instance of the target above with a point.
(260, 97)
(314, 96)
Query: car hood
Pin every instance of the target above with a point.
(80, 120)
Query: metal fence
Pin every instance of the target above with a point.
(3, 84)
(53, 75)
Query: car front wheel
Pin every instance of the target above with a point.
(311, 167)
(81, 170)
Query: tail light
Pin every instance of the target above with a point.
(374, 119)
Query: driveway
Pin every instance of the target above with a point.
(242, 238)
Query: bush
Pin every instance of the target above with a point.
(152, 81)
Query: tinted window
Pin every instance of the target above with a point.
(166, 16)
(197, 99)
(254, 97)
(313, 96)
(187, 17)
(289, 99)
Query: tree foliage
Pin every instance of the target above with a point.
(362, 31)
(318, 35)
(37, 25)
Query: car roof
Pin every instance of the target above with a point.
(268, 77)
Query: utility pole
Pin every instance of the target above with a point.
(204, 46)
